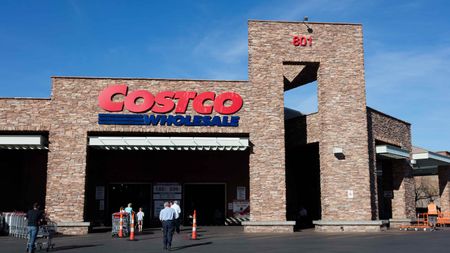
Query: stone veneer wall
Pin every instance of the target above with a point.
(444, 184)
(25, 114)
(73, 230)
(302, 130)
(390, 130)
(346, 228)
(444, 188)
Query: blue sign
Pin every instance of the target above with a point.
(167, 120)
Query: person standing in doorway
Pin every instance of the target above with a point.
(140, 218)
(432, 214)
(34, 218)
(176, 207)
(129, 209)
(167, 218)
(302, 217)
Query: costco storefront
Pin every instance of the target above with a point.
(224, 148)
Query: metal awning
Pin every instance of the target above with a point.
(392, 152)
(424, 159)
(169, 143)
(23, 142)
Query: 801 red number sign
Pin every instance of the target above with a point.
(301, 40)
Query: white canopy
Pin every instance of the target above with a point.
(392, 152)
(22, 142)
(424, 159)
(169, 143)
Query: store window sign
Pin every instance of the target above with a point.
(240, 193)
(164, 192)
(142, 101)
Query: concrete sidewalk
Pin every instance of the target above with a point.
(232, 239)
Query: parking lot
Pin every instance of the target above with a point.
(233, 239)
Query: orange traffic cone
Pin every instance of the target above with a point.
(194, 226)
(121, 225)
(132, 226)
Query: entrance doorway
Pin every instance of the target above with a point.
(23, 179)
(217, 174)
(385, 188)
(209, 202)
(120, 194)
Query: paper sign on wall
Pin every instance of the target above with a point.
(240, 193)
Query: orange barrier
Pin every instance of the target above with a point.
(443, 219)
(194, 226)
(132, 226)
(420, 224)
(121, 225)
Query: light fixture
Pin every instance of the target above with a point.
(309, 29)
(338, 151)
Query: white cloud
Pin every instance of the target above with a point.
(223, 47)
(407, 67)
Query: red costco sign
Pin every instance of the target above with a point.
(167, 101)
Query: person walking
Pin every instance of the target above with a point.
(140, 218)
(34, 217)
(176, 207)
(167, 218)
(432, 214)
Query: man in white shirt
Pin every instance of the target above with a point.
(167, 218)
(177, 209)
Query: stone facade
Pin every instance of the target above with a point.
(444, 188)
(338, 50)
(21, 114)
(335, 59)
(388, 130)
(444, 184)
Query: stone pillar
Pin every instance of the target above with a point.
(337, 50)
(444, 187)
(66, 179)
(267, 159)
(345, 178)
(403, 202)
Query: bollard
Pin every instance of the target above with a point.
(121, 225)
(194, 226)
(132, 226)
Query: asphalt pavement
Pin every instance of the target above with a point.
(233, 239)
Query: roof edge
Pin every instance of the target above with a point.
(25, 98)
(143, 78)
(387, 115)
(308, 22)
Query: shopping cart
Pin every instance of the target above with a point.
(2, 223)
(15, 224)
(45, 236)
(116, 224)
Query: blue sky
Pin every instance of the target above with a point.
(407, 48)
